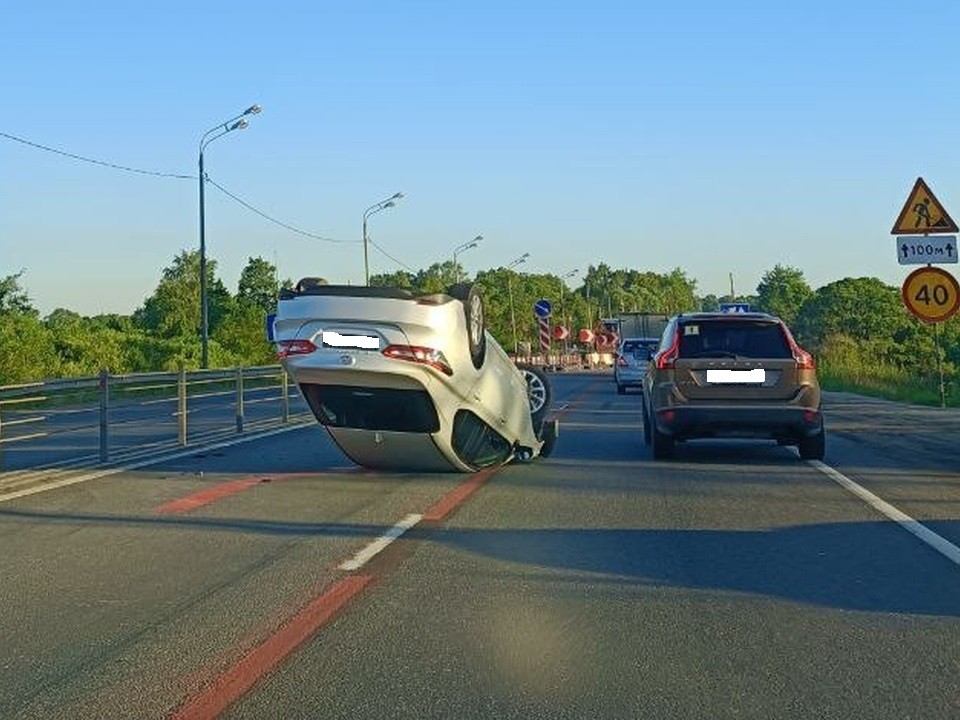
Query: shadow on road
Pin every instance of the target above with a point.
(867, 566)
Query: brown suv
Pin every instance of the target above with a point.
(731, 375)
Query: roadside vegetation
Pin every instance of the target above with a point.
(857, 328)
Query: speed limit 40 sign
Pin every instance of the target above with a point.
(931, 294)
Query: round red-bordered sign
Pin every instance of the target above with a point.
(931, 294)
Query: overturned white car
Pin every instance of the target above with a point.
(405, 382)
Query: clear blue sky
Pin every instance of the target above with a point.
(715, 136)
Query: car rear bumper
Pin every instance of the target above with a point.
(738, 421)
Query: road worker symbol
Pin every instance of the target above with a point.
(923, 213)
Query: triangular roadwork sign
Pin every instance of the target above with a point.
(923, 213)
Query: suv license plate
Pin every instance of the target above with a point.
(738, 377)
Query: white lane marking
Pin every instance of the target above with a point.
(97, 474)
(378, 545)
(922, 532)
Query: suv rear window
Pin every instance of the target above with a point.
(733, 338)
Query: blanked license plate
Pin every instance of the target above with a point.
(736, 377)
(363, 342)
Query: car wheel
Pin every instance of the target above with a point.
(662, 444)
(538, 394)
(646, 426)
(469, 295)
(814, 447)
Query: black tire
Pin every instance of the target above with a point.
(646, 426)
(538, 394)
(469, 295)
(662, 444)
(621, 390)
(813, 447)
(551, 430)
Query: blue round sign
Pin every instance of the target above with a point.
(542, 308)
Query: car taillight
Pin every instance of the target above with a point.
(294, 347)
(417, 354)
(803, 358)
(622, 361)
(666, 357)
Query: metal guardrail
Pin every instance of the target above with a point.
(33, 411)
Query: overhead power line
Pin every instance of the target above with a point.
(97, 162)
(262, 214)
(177, 176)
(405, 267)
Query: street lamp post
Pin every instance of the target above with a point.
(373, 210)
(459, 249)
(566, 320)
(235, 123)
(513, 314)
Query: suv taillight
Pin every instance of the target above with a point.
(803, 358)
(286, 348)
(666, 357)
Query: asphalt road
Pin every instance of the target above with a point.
(732, 581)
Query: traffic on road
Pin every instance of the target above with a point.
(272, 577)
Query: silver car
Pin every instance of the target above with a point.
(630, 364)
(405, 382)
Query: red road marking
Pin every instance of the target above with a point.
(455, 497)
(237, 681)
(205, 497)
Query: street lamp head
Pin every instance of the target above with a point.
(388, 203)
(240, 124)
(478, 238)
(252, 110)
(396, 196)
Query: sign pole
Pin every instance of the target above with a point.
(936, 345)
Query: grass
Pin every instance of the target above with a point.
(888, 383)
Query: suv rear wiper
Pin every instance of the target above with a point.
(715, 354)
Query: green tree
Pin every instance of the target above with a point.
(861, 308)
(259, 284)
(13, 298)
(782, 291)
(710, 303)
(27, 351)
(173, 310)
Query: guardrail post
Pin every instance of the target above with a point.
(284, 395)
(104, 405)
(1, 437)
(239, 399)
(182, 407)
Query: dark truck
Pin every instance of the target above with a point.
(641, 325)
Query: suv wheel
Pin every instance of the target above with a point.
(662, 444)
(814, 447)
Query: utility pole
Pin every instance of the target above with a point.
(733, 296)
